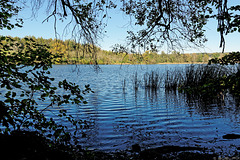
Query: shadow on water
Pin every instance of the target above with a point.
(222, 105)
(204, 105)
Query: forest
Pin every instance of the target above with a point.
(71, 52)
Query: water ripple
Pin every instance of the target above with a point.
(121, 118)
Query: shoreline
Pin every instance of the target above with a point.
(130, 63)
(30, 145)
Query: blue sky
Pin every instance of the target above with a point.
(116, 31)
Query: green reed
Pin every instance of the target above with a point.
(193, 78)
(136, 81)
(199, 76)
(152, 80)
(172, 79)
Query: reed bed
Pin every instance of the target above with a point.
(199, 75)
(199, 83)
(233, 81)
(193, 78)
(152, 80)
(173, 79)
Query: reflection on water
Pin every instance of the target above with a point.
(123, 116)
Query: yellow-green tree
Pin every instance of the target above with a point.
(57, 47)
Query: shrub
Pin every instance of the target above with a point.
(25, 83)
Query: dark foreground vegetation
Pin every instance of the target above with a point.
(32, 145)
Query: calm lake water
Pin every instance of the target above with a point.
(123, 117)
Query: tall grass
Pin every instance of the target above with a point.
(195, 77)
(152, 80)
(233, 81)
(198, 75)
(172, 79)
(192, 79)
(136, 81)
(124, 85)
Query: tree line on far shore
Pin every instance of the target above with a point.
(72, 52)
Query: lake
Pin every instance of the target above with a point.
(121, 116)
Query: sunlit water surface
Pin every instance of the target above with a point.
(122, 116)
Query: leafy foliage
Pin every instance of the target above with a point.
(231, 81)
(167, 22)
(232, 58)
(178, 23)
(25, 83)
(8, 9)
